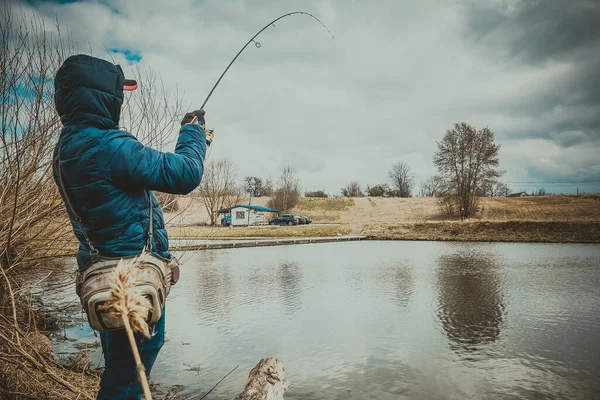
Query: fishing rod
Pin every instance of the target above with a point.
(258, 45)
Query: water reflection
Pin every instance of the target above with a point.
(396, 280)
(289, 277)
(470, 298)
(214, 291)
(363, 320)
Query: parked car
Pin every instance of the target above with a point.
(304, 220)
(285, 219)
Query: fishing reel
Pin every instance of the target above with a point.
(210, 133)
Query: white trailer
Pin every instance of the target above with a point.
(246, 215)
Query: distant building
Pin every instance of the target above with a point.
(518, 194)
(246, 215)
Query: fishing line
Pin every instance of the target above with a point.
(258, 45)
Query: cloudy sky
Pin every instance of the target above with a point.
(396, 76)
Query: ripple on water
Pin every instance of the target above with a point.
(391, 320)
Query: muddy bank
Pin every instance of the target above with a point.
(490, 231)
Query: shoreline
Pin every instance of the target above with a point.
(444, 231)
(532, 219)
(492, 231)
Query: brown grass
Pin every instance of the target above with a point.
(324, 204)
(382, 216)
(323, 210)
(546, 208)
(522, 219)
(266, 231)
(497, 231)
(28, 370)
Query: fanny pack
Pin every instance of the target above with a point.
(151, 275)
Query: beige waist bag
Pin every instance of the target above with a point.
(152, 275)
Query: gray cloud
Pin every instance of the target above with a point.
(558, 35)
(535, 31)
(397, 75)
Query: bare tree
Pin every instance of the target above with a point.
(466, 157)
(435, 186)
(268, 187)
(493, 188)
(218, 189)
(32, 214)
(401, 179)
(34, 227)
(502, 190)
(254, 186)
(287, 194)
(152, 114)
(33, 222)
(352, 190)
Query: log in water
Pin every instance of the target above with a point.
(266, 381)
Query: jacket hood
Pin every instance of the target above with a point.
(89, 91)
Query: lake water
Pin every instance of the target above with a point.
(388, 320)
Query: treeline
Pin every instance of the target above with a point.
(467, 168)
(400, 184)
(221, 188)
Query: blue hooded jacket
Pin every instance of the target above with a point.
(107, 172)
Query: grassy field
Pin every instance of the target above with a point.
(573, 219)
(323, 211)
(567, 218)
(266, 231)
(492, 231)
(546, 208)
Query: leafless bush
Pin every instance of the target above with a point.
(493, 188)
(316, 193)
(168, 202)
(435, 186)
(447, 205)
(152, 112)
(34, 227)
(352, 190)
(33, 223)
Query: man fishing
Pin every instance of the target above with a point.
(105, 176)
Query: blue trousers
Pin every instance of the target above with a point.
(119, 380)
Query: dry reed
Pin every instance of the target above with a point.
(132, 308)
